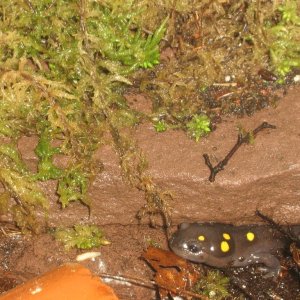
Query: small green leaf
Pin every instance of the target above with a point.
(160, 126)
(199, 126)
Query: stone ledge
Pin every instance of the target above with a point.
(264, 176)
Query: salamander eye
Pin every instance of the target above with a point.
(193, 248)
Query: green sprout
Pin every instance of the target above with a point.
(289, 12)
(81, 237)
(160, 126)
(199, 126)
(214, 285)
(153, 243)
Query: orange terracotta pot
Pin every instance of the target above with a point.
(67, 282)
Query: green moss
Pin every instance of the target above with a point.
(11, 157)
(19, 185)
(30, 199)
(73, 187)
(45, 153)
(285, 39)
(81, 237)
(214, 285)
(62, 66)
(135, 51)
(65, 66)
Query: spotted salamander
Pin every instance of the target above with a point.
(224, 245)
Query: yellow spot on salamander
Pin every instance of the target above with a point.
(201, 238)
(224, 246)
(250, 236)
(226, 236)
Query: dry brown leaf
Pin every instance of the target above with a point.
(174, 275)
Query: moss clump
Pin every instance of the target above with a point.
(214, 285)
(110, 31)
(18, 183)
(45, 152)
(81, 237)
(62, 77)
(285, 39)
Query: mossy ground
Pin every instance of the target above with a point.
(65, 66)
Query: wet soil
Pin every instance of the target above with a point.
(24, 257)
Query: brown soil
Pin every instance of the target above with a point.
(23, 258)
(262, 176)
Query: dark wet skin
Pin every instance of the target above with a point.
(223, 245)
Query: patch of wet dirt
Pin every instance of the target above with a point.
(24, 257)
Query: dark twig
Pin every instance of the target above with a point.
(289, 236)
(271, 222)
(242, 139)
(152, 285)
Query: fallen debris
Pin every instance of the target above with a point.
(174, 275)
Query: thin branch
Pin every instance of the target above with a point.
(151, 284)
(286, 233)
(242, 139)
